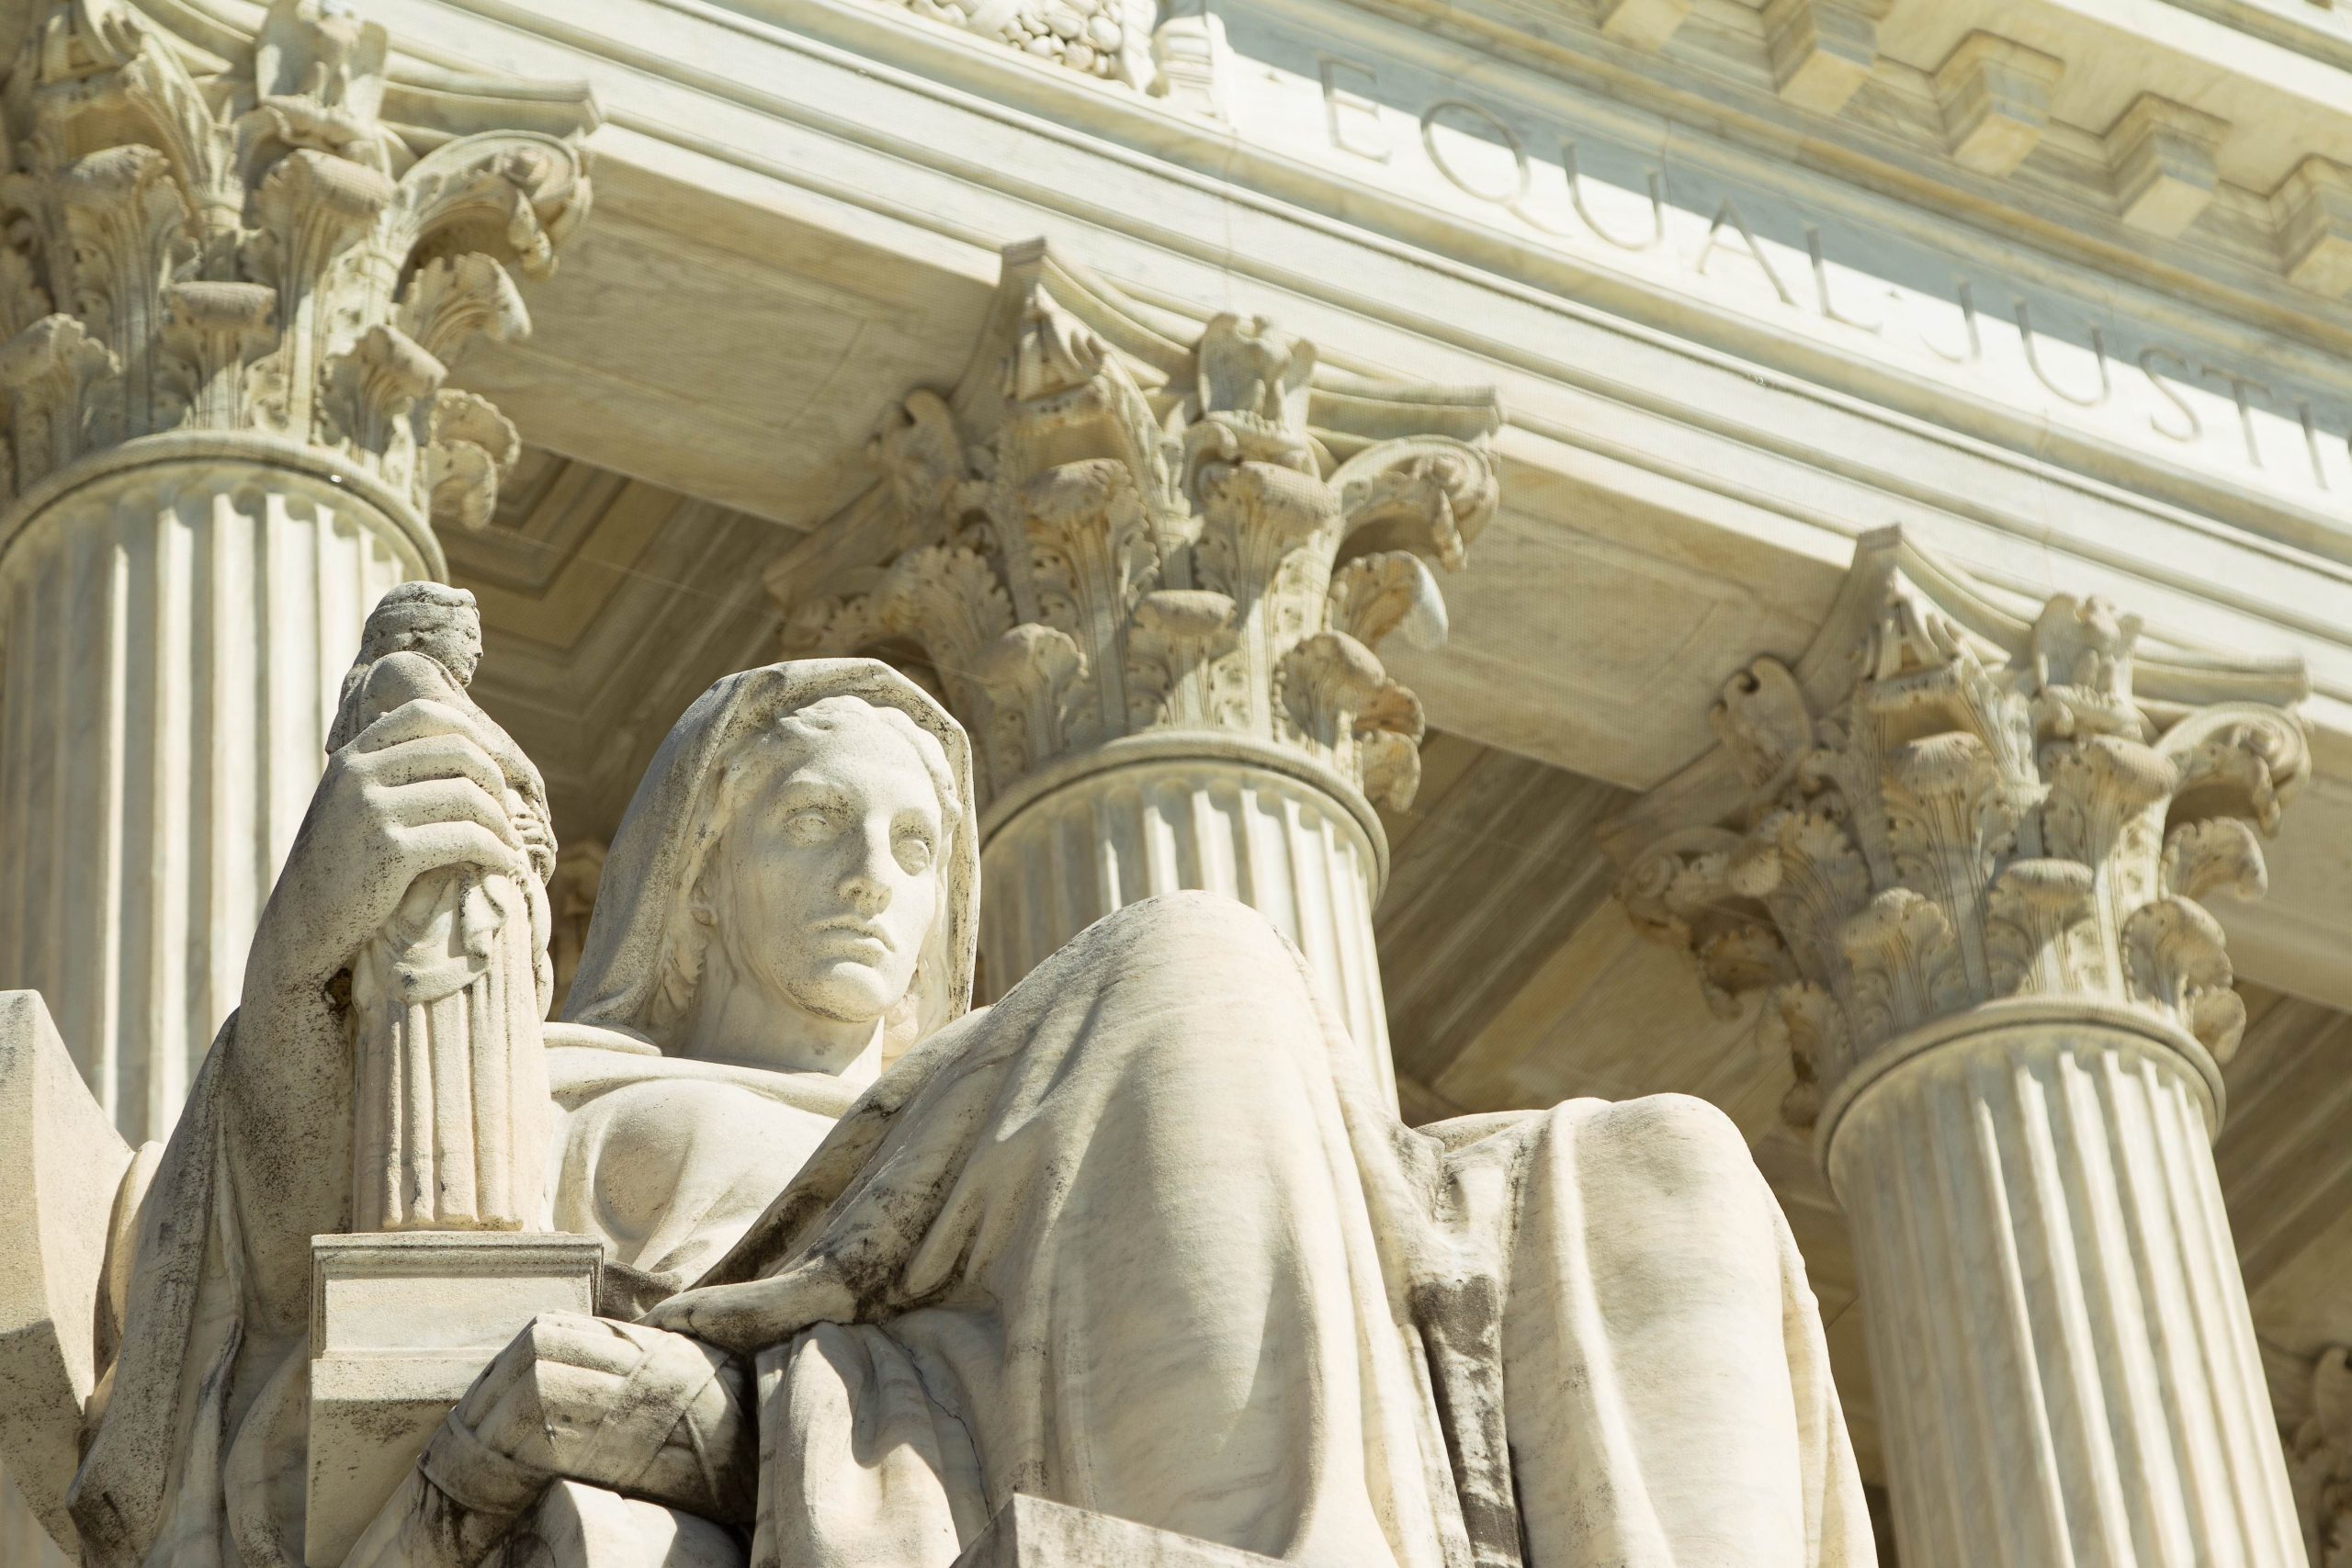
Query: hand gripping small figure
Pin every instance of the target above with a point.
(450, 1106)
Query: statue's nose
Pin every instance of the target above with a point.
(866, 892)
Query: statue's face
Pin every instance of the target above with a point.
(833, 873)
(455, 644)
(466, 648)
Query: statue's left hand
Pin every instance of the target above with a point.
(415, 792)
(756, 1314)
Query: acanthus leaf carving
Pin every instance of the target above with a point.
(1027, 674)
(1179, 635)
(2039, 928)
(1765, 724)
(1175, 516)
(374, 390)
(2176, 956)
(1683, 891)
(211, 333)
(1950, 811)
(2319, 1457)
(1387, 593)
(2214, 856)
(470, 447)
(1427, 493)
(159, 195)
(56, 377)
(2238, 759)
(452, 299)
(924, 460)
(947, 601)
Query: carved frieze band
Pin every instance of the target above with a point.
(1945, 805)
(1159, 537)
(249, 246)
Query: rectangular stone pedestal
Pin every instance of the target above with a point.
(1030, 1532)
(401, 1323)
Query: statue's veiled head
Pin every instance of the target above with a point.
(801, 858)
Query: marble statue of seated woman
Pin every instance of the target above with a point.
(1137, 1238)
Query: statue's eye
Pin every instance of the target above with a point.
(810, 825)
(914, 852)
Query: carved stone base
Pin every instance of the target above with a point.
(401, 1326)
(1030, 1532)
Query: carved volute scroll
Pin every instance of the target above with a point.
(1945, 804)
(1119, 534)
(200, 243)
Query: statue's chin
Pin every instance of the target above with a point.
(844, 991)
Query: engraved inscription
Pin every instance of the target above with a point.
(1646, 201)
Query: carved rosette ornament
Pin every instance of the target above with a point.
(1969, 820)
(1118, 546)
(1961, 852)
(249, 246)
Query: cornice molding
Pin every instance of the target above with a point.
(428, 102)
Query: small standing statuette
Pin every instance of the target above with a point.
(450, 1101)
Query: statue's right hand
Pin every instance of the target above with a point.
(413, 792)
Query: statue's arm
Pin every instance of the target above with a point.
(415, 792)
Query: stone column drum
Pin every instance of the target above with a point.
(229, 301)
(175, 634)
(1964, 871)
(1149, 575)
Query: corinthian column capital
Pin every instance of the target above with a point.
(253, 242)
(1946, 803)
(1115, 534)
(1150, 566)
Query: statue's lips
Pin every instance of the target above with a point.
(855, 932)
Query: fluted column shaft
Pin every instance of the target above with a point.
(175, 634)
(1135, 820)
(2066, 1365)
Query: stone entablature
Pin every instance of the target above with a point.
(2191, 369)
(1993, 87)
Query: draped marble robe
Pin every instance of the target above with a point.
(1140, 1239)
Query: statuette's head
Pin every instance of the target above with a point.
(431, 618)
(822, 880)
